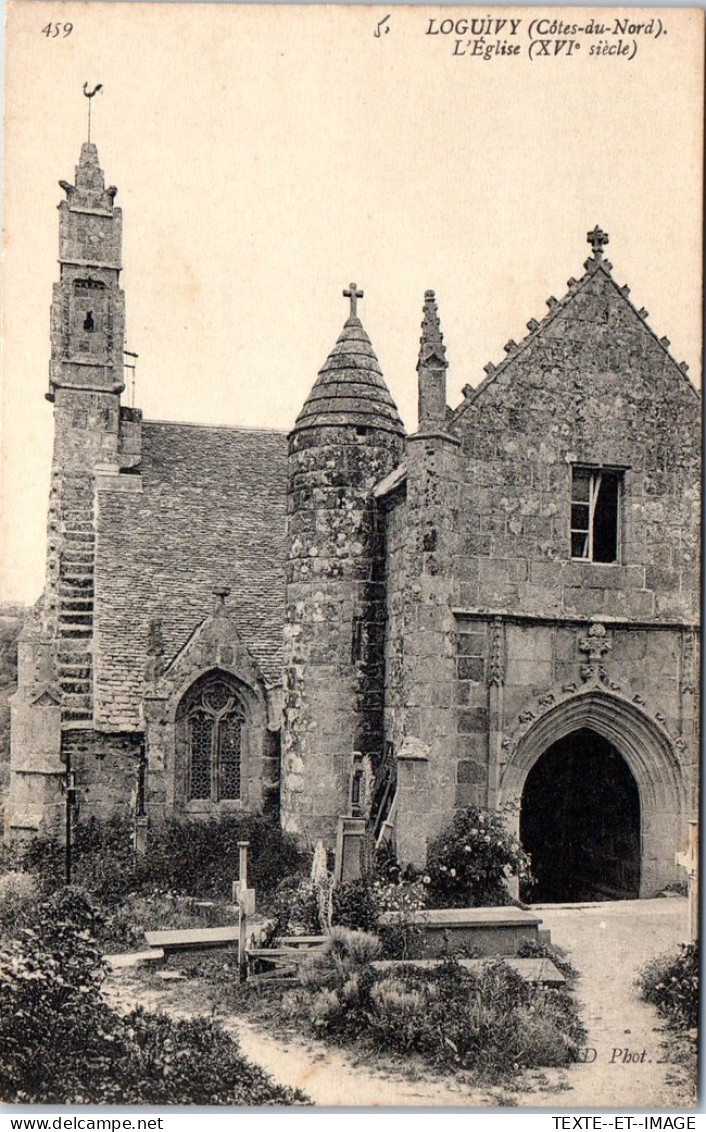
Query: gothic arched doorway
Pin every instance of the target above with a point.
(580, 822)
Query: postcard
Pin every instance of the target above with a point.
(350, 471)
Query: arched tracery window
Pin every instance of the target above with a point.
(214, 721)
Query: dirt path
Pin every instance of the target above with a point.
(330, 1077)
(607, 943)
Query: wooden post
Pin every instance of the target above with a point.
(70, 787)
(690, 861)
(243, 903)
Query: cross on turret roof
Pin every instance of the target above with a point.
(353, 294)
(598, 240)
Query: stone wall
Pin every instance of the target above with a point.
(393, 515)
(107, 768)
(422, 535)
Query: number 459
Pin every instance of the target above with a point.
(53, 30)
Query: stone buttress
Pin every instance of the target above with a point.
(420, 504)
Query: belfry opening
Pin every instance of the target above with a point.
(580, 822)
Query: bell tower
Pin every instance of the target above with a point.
(87, 320)
(55, 653)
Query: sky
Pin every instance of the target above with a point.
(266, 157)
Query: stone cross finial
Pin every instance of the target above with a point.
(598, 240)
(595, 645)
(353, 294)
(221, 593)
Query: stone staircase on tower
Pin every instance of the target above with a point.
(76, 599)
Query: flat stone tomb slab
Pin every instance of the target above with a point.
(134, 958)
(184, 939)
(532, 970)
(487, 931)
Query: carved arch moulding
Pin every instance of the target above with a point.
(642, 740)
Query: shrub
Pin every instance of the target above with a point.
(468, 865)
(201, 857)
(671, 983)
(197, 858)
(339, 979)
(195, 1062)
(61, 1043)
(19, 893)
(487, 1020)
(103, 859)
(355, 905)
(403, 939)
(295, 910)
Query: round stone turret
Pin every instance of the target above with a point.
(346, 439)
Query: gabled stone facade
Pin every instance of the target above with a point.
(501, 639)
(502, 607)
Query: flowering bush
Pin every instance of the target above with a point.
(671, 983)
(403, 896)
(468, 865)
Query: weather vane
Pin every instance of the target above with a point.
(89, 95)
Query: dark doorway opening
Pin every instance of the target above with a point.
(580, 822)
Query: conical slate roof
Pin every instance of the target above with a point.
(350, 388)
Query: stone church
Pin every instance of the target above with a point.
(500, 609)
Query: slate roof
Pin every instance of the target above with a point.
(212, 512)
(350, 388)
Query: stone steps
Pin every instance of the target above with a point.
(76, 580)
(74, 671)
(76, 598)
(82, 604)
(77, 702)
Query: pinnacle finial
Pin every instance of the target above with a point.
(598, 240)
(432, 351)
(353, 294)
(221, 593)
